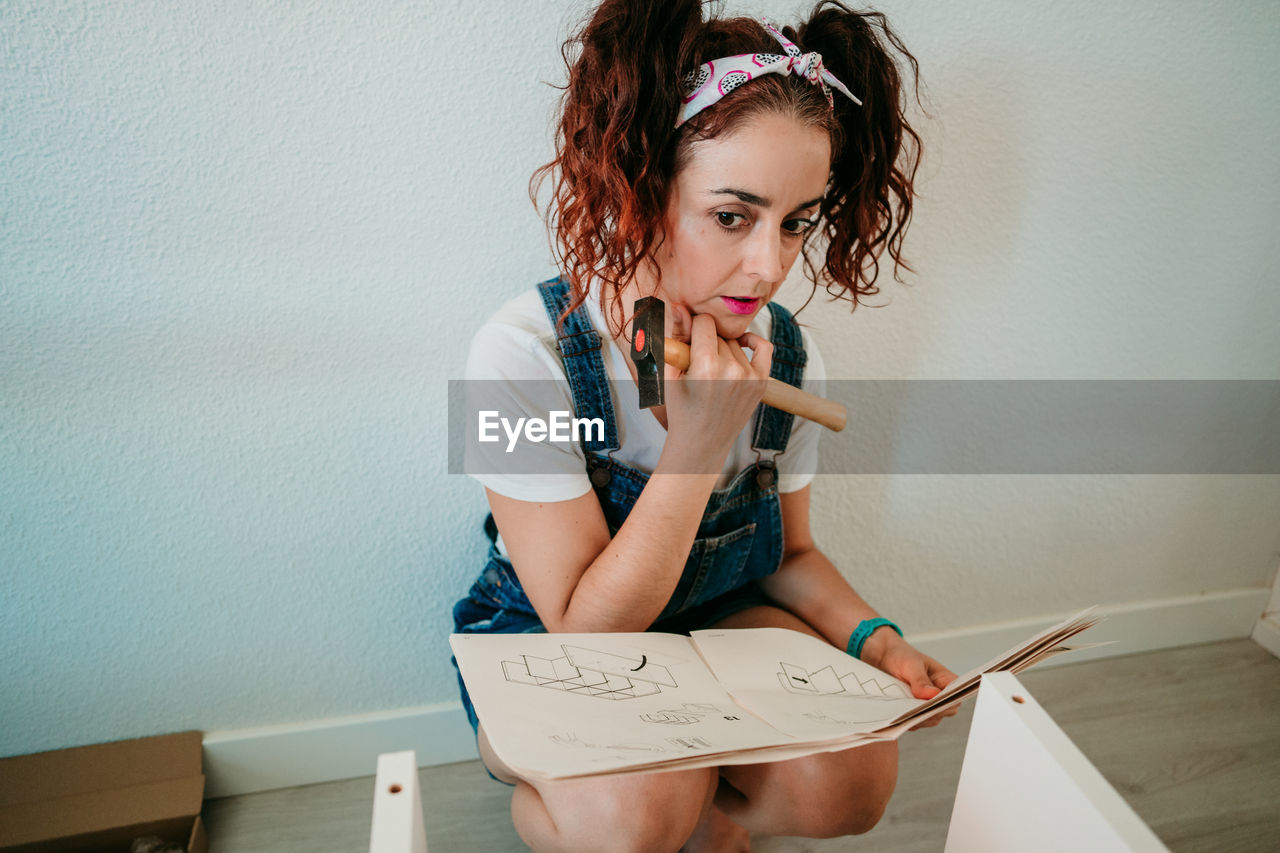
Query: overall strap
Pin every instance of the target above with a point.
(773, 426)
(579, 346)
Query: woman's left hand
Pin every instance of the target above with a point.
(926, 677)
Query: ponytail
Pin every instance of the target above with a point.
(616, 138)
(868, 205)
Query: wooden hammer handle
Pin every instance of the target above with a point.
(780, 395)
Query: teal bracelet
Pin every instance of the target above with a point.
(863, 631)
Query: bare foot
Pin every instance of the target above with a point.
(716, 833)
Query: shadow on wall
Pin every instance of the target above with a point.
(972, 151)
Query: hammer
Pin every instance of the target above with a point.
(649, 349)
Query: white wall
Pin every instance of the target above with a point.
(242, 247)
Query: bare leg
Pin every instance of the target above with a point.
(716, 832)
(638, 812)
(820, 796)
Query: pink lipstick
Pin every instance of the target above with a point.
(739, 305)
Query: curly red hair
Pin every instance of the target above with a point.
(618, 148)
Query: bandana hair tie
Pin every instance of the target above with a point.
(717, 78)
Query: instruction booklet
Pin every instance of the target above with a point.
(563, 705)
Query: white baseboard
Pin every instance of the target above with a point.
(247, 760)
(1142, 626)
(244, 761)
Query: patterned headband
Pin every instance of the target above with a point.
(713, 80)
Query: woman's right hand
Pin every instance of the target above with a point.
(709, 404)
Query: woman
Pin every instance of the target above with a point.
(695, 160)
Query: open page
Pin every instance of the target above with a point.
(802, 685)
(555, 705)
(562, 705)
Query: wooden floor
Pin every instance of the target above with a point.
(1190, 738)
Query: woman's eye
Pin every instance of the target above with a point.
(728, 219)
(797, 226)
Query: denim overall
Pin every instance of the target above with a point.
(739, 540)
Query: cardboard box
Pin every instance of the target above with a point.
(99, 798)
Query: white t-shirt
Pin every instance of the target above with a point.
(517, 345)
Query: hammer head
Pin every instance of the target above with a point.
(647, 330)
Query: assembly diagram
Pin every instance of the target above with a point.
(686, 715)
(825, 682)
(588, 672)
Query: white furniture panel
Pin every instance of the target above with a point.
(397, 806)
(1025, 786)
